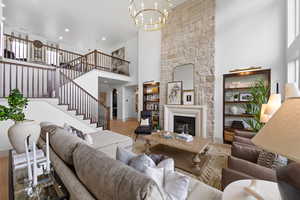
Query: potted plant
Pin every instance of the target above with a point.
(259, 95)
(22, 127)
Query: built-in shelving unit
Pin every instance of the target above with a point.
(236, 87)
(151, 100)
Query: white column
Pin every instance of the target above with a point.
(1, 30)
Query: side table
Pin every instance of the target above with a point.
(235, 190)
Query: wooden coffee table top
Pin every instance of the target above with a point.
(197, 146)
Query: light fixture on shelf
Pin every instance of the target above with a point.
(150, 15)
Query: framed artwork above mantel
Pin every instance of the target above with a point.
(174, 93)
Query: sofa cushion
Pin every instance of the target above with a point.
(245, 152)
(51, 129)
(64, 144)
(106, 178)
(124, 156)
(106, 138)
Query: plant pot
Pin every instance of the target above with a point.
(19, 132)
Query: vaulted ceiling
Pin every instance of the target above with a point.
(88, 20)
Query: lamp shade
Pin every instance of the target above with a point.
(291, 90)
(281, 134)
(273, 105)
(264, 118)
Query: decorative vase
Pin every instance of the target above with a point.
(234, 110)
(19, 132)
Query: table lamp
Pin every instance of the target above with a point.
(281, 135)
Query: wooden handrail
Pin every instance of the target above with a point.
(27, 65)
(73, 82)
(113, 56)
(45, 45)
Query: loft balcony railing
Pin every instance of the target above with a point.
(23, 49)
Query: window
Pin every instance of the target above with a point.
(293, 72)
(19, 49)
(293, 20)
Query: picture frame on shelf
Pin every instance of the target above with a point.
(188, 97)
(174, 93)
(245, 97)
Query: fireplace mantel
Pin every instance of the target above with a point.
(198, 111)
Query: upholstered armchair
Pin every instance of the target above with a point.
(242, 164)
(144, 129)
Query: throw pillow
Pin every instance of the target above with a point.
(157, 158)
(140, 162)
(266, 159)
(124, 156)
(145, 122)
(88, 138)
(279, 161)
(157, 174)
(73, 131)
(176, 186)
(167, 164)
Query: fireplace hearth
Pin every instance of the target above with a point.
(185, 125)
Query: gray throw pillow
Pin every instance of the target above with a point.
(141, 162)
(124, 156)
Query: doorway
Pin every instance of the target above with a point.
(115, 103)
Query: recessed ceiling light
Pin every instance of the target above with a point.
(67, 30)
(103, 38)
(60, 37)
(3, 18)
(3, 5)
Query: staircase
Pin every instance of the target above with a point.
(54, 79)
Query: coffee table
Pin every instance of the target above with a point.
(199, 146)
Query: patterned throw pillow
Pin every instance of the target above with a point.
(271, 160)
(280, 161)
(266, 159)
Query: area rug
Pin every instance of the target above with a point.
(210, 167)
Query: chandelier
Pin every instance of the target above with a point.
(150, 15)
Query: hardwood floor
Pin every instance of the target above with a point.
(4, 175)
(125, 128)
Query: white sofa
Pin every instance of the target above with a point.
(108, 141)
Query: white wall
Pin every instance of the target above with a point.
(130, 111)
(149, 59)
(40, 110)
(131, 54)
(248, 33)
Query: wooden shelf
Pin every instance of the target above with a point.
(229, 80)
(151, 93)
(239, 115)
(152, 101)
(228, 128)
(152, 88)
(241, 88)
(233, 102)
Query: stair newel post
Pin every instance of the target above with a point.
(95, 54)
(108, 118)
(56, 82)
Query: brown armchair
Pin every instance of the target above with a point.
(242, 162)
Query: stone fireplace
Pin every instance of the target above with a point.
(185, 125)
(189, 38)
(186, 115)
